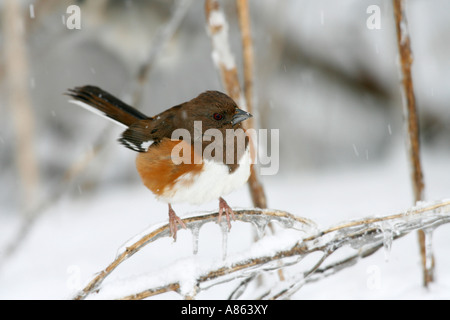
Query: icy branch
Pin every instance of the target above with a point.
(257, 216)
(270, 253)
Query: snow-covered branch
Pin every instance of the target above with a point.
(221, 52)
(269, 253)
(259, 217)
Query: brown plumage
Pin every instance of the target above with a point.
(193, 167)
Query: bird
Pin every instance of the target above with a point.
(209, 156)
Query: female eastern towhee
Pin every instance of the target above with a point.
(196, 177)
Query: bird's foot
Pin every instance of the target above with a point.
(174, 220)
(225, 208)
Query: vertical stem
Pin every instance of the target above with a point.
(247, 48)
(256, 189)
(224, 60)
(412, 122)
(16, 72)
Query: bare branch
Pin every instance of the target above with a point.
(409, 102)
(410, 113)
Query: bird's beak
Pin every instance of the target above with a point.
(240, 116)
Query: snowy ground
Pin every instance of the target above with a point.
(77, 238)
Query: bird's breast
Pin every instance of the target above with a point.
(189, 182)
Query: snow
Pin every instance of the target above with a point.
(221, 53)
(77, 238)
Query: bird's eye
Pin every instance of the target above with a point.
(218, 116)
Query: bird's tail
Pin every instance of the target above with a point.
(103, 103)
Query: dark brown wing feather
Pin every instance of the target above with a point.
(139, 136)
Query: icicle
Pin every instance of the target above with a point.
(224, 228)
(387, 240)
(286, 223)
(428, 249)
(260, 225)
(195, 229)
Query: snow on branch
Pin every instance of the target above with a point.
(190, 276)
(221, 52)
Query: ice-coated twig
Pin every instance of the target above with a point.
(412, 128)
(240, 289)
(290, 286)
(365, 236)
(194, 222)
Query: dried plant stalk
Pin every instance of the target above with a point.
(224, 61)
(247, 50)
(412, 123)
(410, 110)
(16, 72)
(256, 188)
(365, 236)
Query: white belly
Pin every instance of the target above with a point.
(213, 182)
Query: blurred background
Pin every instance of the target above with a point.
(323, 77)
